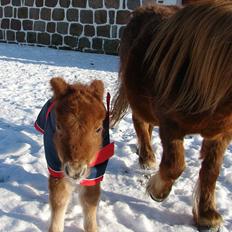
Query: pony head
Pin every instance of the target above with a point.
(79, 119)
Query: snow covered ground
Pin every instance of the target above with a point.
(24, 87)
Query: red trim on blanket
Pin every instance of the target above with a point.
(38, 128)
(50, 108)
(104, 154)
(91, 182)
(56, 174)
(86, 182)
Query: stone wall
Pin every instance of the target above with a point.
(85, 25)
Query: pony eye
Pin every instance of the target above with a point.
(99, 129)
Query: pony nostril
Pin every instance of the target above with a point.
(66, 170)
(83, 171)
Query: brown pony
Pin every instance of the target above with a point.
(79, 116)
(176, 73)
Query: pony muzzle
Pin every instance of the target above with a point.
(76, 173)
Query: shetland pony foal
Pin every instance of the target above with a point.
(176, 73)
(74, 120)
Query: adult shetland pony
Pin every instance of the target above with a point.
(176, 73)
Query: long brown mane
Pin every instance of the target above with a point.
(141, 21)
(190, 58)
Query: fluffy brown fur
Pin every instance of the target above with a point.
(176, 73)
(79, 115)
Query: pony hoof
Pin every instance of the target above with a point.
(162, 197)
(159, 189)
(208, 229)
(148, 163)
(156, 199)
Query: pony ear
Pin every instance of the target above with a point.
(97, 87)
(59, 86)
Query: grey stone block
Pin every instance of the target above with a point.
(5, 2)
(133, 4)
(89, 30)
(86, 16)
(62, 28)
(34, 13)
(23, 12)
(1, 34)
(96, 4)
(83, 43)
(114, 33)
(65, 3)
(29, 2)
(97, 43)
(112, 4)
(112, 17)
(45, 14)
(20, 37)
(39, 26)
(57, 39)
(76, 29)
(31, 37)
(44, 38)
(58, 14)
(51, 27)
(5, 23)
(10, 35)
(17, 2)
(27, 25)
(51, 3)
(72, 14)
(39, 3)
(100, 16)
(8, 11)
(103, 31)
(15, 24)
(71, 41)
(79, 3)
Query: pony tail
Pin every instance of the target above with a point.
(120, 106)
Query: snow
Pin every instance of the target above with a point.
(125, 207)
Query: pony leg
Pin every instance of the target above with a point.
(204, 210)
(59, 195)
(144, 133)
(89, 198)
(171, 166)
